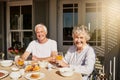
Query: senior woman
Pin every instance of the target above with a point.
(80, 56)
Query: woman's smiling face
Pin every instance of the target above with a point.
(80, 36)
(79, 40)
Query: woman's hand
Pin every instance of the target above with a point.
(61, 63)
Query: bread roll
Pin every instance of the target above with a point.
(35, 76)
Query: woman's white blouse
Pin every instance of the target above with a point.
(82, 62)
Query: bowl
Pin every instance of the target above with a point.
(14, 68)
(66, 71)
(43, 64)
(6, 63)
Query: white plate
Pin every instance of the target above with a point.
(6, 63)
(42, 75)
(66, 71)
(27, 62)
(14, 75)
(5, 72)
(14, 68)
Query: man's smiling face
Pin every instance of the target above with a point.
(41, 34)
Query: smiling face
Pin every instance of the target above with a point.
(79, 40)
(41, 34)
(80, 36)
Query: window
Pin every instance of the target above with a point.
(90, 15)
(94, 21)
(20, 25)
(70, 19)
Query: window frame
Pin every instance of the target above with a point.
(9, 31)
(81, 19)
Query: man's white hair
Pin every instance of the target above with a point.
(41, 25)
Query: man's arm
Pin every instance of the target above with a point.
(54, 53)
(25, 55)
(50, 59)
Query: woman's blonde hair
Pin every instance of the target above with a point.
(80, 29)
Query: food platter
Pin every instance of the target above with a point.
(35, 76)
(32, 68)
(3, 73)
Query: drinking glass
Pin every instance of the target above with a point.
(59, 56)
(20, 63)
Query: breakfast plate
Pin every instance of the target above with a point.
(14, 68)
(15, 75)
(34, 76)
(3, 73)
(6, 63)
(66, 71)
(32, 68)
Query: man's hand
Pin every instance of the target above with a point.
(52, 59)
(34, 58)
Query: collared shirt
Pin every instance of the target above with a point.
(82, 62)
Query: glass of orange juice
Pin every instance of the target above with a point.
(20, 62)
(59, 56)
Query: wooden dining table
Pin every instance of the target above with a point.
(52, 74)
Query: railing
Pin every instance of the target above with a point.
(112, 71)
(98, 73)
